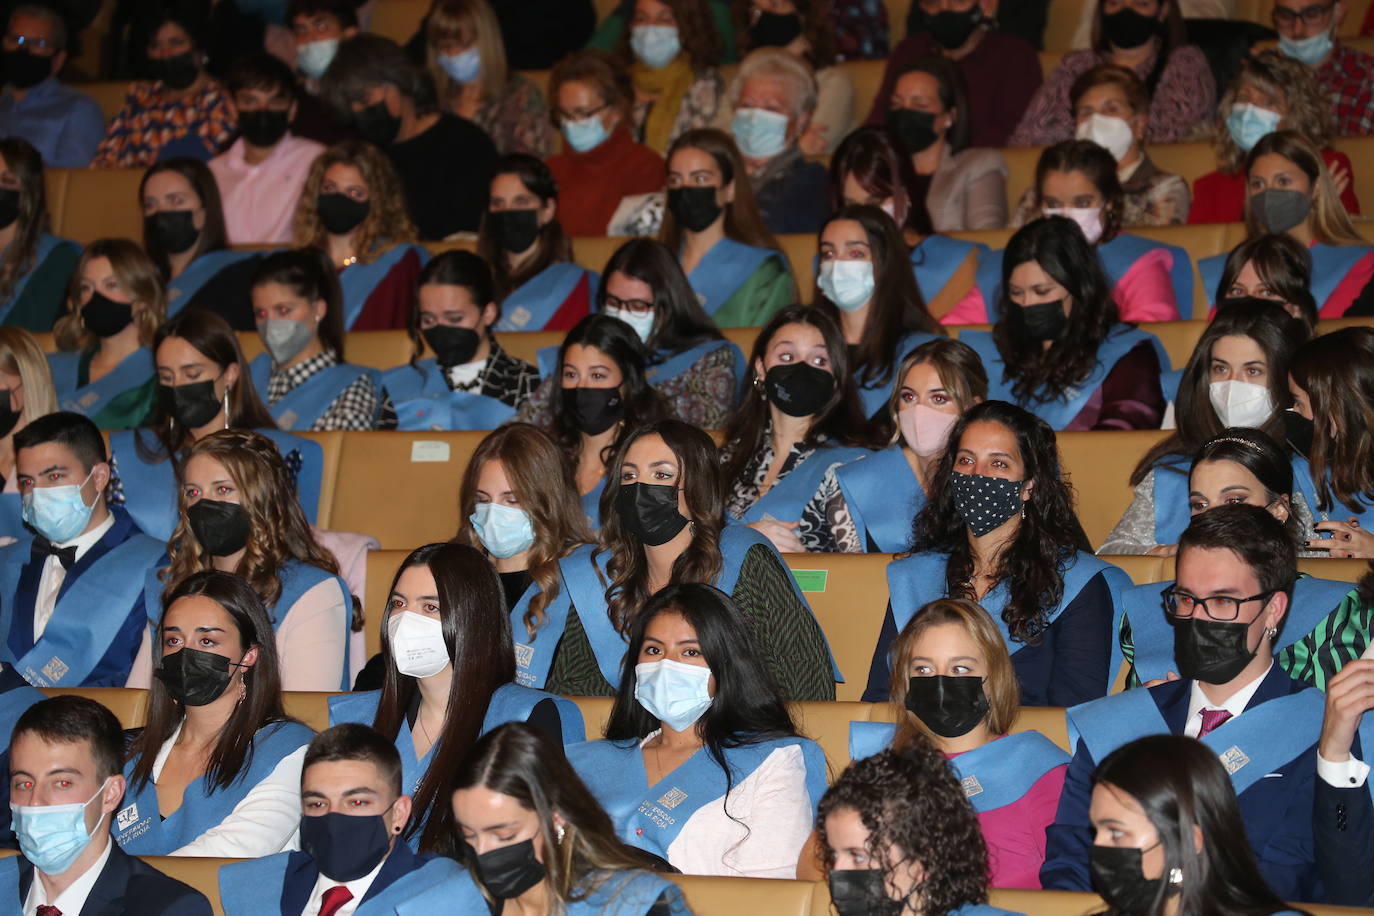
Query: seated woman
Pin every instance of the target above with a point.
(352, 210)
(104, 368)
(537, 283)
(1270, 92)
(1291, 192)
(866, 506)
(1273, 267)
(953, 686)
(1086, 372)
(662, 524)
(698, 706)
(36, 266)
(1077, 179)
(202, 387)
(671, 51)
(466, 57)
(999, 529)
(867, 288)
(26, 393)
(470, 382)
(962, 188)
(450, 668)
(301, 377)
(216, 771)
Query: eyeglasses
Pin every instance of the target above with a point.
(581, 114)
(1218, 607)
(41, 45)
(1312, 15)
(633, 306)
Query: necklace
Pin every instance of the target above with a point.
(349, 261)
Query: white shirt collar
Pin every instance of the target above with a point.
(358, 887)
(467, 373)
(1124, 173)
(1235, 705)
(84, 542)
(73, 899)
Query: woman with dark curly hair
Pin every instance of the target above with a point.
(671, 50)
(1000, 529)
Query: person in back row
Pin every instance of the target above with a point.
(672, 49)
(1307, 32)
(26, 394)
(63, 125)
(36, 266)
(318, 26)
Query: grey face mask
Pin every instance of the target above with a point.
(1279, 210)
(285, 338)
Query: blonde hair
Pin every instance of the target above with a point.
(387, 222)
(1330, 223)
(21, 355)
(468, 22)
(136, 275)
(1284, 81)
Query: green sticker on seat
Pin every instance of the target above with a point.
(811, 580)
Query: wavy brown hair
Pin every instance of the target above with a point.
(387, 221)
(743, 221)
(1337, 372)
(21, 255)
(1284, 81)
(1329, 221)
(137, 276)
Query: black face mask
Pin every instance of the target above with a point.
(174, 231)
(104, 317)
(594, 410)
(773, 30)
(515, 230)
(1128, 29)
(649, 512)
(178, 71)
(24, 70)
(1211, 651)
(452, 346)
(1119, 877)
(1044, 320)
(861, 892)
(9, 206)
(193, 677)
(952, 29)
(339, 213)
(345, 846)
(798, 389)
(377, 124)
(693, 208)
(264, 127)
(951, 707)
(508, 872)
(916, 129)
(9, 417)
(192, 405)
(221, 527)
(1299, 430)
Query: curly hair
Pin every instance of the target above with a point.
(387, 221)
(696, 29)
(1286, 83)
(915, 812)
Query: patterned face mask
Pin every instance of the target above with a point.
(986, 503)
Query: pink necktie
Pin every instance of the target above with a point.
(1212, 719)
(334, 899)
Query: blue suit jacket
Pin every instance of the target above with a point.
(128, 885)
(302, 873)
(1343, 827)
(1277, 809)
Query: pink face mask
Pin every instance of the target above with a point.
(1089, 219)
(925, 429)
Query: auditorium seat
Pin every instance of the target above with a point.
(108, 94)
(199, 872)
(527, 344)
(848, 593)
(100, 203)
(331, 443)
(381, 568)
(1098, 465)
(828, 725)
(129, 706)
(1142, 569)
(715, 896)
(596, 712)
(1337, 569)
(1046, 903)
(398, 20)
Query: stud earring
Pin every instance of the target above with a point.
(1175, 876)
(558, 833)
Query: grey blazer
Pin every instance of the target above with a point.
(968, 191)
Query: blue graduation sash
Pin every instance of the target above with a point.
(88, 400)
(11, 515)
(724, 269)
(1250, 746)
(875, 395)
(591, 503)
(1172, 512)
(629, 893)
(300, 407)
(247, 886)
(935, 260)
(47, 243)
(423, 401)
(199, 272)
(1330, 264)
(546, 361)
(140, 829)
(670, 366)
(1169, 383)
(1307, 486)
(456, 894)
(883, 496)
(9, 883)
(13, 703)
(359, 280)
(538, 299)
(650, 817)
(361, 707)
(790, 495)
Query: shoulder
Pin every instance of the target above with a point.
(1076, 62)
(1012, 46)
(284, 736)
(149, 890)
(1188, 56)
(360, 706)
(588, 756)
(979, 160)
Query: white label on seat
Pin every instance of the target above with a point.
(429, 450)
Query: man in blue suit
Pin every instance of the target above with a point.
(68, 752)
(1343, 811)
(1236, 567)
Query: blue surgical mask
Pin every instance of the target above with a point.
(759, 132)
(58, 513)
(53, 836)
(643, 324)
(848, 284)
(314, 57)
(585, 134)
(1309, 50)
(1248, 123)
(463, 67)
(503, 530)
(674, 693)
(655, 45)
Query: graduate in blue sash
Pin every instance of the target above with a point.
(302, 377)
(470, 382)
(800, 417)
(71, 607)
(866, 506)
(353, 809)
(104, 367)
(216, 771)
(446, 636)
(1343, 815)
(1277, 268)
(536, 842)
(26, 393)
(1000, 529)
(35, 265)
(1227, 608)
(1058, 348)
(730, 257)
(700, 728)
(184, 234)
(537, 284)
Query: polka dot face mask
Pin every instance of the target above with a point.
(986, 503)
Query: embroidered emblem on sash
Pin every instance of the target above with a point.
(54, 669)
(1233, 758)
(523, 655)
(173, 295)
(89, 398)
(288, 419)
(971, 786)
(672, 798)
(520, 316)
(128, 817)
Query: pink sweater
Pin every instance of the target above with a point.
(1015, 833)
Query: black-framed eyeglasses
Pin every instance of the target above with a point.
(41, 45)
(633, 306)
(1312, 15)
(1218, 607)
(582, 114)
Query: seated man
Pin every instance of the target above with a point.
(71, 596)
(319, 26)
(1343, 812)
(1307, 31)
(1235, 580)
(69, 751)
(64, 125)
(353, 812)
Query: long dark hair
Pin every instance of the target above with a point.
(308, 273)
(1260, 455)
(1285, 266)
(260, 707)
(1098, 166)
(213, 235)
(953, 96)
(453, 268)
(20, 256)
(876, 159)
(1058, 246)
(1033, 564)
(679, 320)
(1172, 33)
(1337, 372)
(743, 221)
(552, 245)
(477, 633)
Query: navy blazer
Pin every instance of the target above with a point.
(1343, 827)
(1277, 809)
(129, 885)
(302, 873)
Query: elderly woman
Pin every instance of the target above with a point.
(773, 98)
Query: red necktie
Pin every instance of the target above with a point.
(45, 910)
(1212, 719)
(334, 899)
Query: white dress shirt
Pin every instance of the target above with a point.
(1235, 705)
(464, 377)
(1351, 773)
(54, 574)
(71, 901)
(357, 887)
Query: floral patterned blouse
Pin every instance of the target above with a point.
(150, 127)
(518, 122)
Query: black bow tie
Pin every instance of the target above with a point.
(43, 548)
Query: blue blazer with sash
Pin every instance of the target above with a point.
(1269, 750)
(90, 399)
(724, 269)
(875, 395)
(936, 259)
(883, 496)
(300, 407)
(126, 886)
(1343, 827)
(789, 496)
(97, 623)
(1330, 264)
(199, 272)
(423, 400)
(1306, 484)
(359, 280)
(536, 301)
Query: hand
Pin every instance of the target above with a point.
(782, 534)
(1348, 696)
(1347, 539)
(1340, 179)
(1171, 676)
(1162, 550)
(812, 142)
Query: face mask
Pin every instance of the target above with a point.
(452, 346)
(57, 513)
(9, 207)
(508, 872)
(503, 530)
(1089, 219)
(178, 71)
(341, 214)
(798, 389)
(848, 284)
(193, 677)
(585, 134)
(760, 133)
(1279, 210)
(463, 67)
(915, 129)
(1308, 50)
(1044, 320)
(1298, 430)
(173, 230)
(655, 45)
(861, 892)
(1112, 134)
(1211, 651)
(284, 338)
(1129, 29)
(192, 405)
(673, 692)
(774, 30)
(264, 127)
(1119, 877)
(649, 512)
(951, 707)
(1248, 123)
(952, 29)
(925, 429)
(24, 70)
(594, 410)
(52, 837)
(377, 124)
(515, 230)
(695, 209)
(985, 503)
(9, 417)
(314, 57)
(345, 846)
(641, 322)
(1240, 403)
(104, 317)
(417, 644)
(221, 527)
